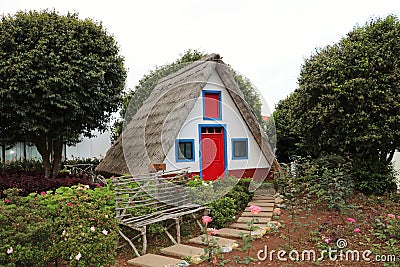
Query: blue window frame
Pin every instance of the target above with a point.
(184, 150)
(212, 105)
(240, 148)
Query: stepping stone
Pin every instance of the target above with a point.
(230, 232)
(184, 251)
(245, 226)
(263, 198)
(248, 219)
(263, 209)
(265, 192)
(261, 203)
(222, 242)
(152, 260)
(260, 214)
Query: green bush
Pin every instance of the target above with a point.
(76, 224)
(374, 177)
(327, 181)
(222, 211)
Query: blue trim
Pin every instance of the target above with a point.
(225, 147)
(220, 104)
(177, 141)
(233, 148)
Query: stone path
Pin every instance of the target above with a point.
(227, 239)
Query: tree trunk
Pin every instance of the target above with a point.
(42, 145)
(390, 156)
(3, 153)
(57, 156)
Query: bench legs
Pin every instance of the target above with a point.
(144, 236)
(178, 230)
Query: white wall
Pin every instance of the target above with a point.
(235, 128)
(91, 147)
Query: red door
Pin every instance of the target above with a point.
(212, 152)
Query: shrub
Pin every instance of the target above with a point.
(327, 180)
(374, 177)
(76, 224)
(222, 211)
(34, 181)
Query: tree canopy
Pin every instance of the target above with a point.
(60, 77)
(348, 100)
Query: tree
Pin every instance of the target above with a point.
(149, 81)
(348, 100)
(60, 77)
(288, 139)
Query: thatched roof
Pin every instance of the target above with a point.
(154, 128)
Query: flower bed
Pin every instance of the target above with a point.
(75, 224)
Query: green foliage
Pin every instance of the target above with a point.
(62, 224)
(374, 177)
(250, 93)
(60, 77)
(348, 99)
(18, 165)
(222, 211)
(288, 137)
(326, 181)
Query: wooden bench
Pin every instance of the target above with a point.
(146, 199)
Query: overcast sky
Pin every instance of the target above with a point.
(266, 41)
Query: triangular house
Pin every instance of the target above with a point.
(195, 118)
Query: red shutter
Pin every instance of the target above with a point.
(211, 105)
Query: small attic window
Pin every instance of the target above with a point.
(212, 105)
(184, 150)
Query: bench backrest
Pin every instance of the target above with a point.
(145, 194)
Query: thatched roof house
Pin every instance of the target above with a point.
(197, 118)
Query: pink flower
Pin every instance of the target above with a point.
(327, 240)
(98, 185)
(351, 220)
(206, 219)
(70, 204)
(277, 211)
(78, 257)
(7, 200)
(391, 216)
(398, 217)
(93, 228)
(357, 230)
(212, 231)
(105, 232)
(43, 193)
(10, 250)
(255, 209)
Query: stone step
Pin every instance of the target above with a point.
(152, 260)
(265, 192)
(261, 203)
(230, 232)
(269, 198)
(267, 214)
(221, 241)
(245, 226)
(184, 251)
(261, 220)
(263, 209)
